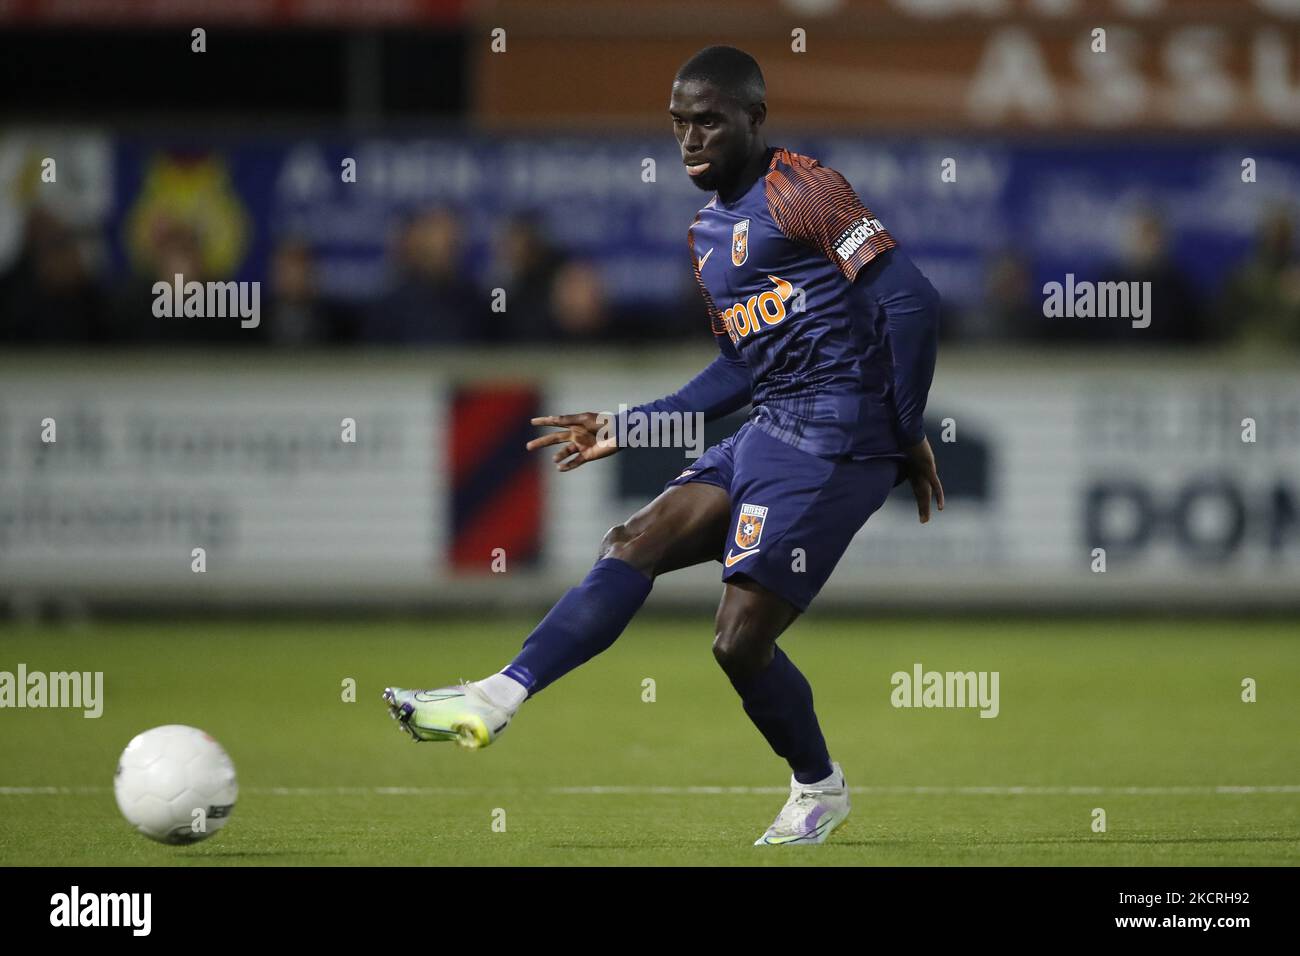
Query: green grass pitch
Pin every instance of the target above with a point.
(1142, 718)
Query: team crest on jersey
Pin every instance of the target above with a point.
(749, 527)
(740, 242)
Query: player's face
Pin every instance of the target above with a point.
(715, 133)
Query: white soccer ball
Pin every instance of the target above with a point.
(175, 784)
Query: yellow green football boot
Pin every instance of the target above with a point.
(462, 713)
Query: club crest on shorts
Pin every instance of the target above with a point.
(749, 527)
(740, 242)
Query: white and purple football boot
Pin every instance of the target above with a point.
(811, 813)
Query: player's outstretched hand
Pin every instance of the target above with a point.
(924, 477)
(579, 437)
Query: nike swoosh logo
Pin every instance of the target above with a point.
(733, 558)
(703, 259)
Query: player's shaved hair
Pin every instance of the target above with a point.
(733, 72)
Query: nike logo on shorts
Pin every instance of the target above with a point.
(732, 558)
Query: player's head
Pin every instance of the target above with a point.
(718, 106)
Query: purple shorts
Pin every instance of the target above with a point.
(793, 514)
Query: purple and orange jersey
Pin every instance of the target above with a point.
(831, 332)
(776, 267)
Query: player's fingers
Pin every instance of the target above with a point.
(575, 462)
(938, 490)
(566, 451)
(557, 420)
(554, 438)
(921, 490)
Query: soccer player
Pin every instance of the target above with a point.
(830, 332)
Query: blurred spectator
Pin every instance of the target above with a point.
(1009, 308)
(526, 268)
(48, 295)
(1172, 305)
(173, 248)
(294, 313)
(1261, 305)
(579, 303)
(684, 318)
(430, 300)
(1175, 308)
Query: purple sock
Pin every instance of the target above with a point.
(779, 701)
(584, 622)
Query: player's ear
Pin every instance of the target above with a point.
(758, 114)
